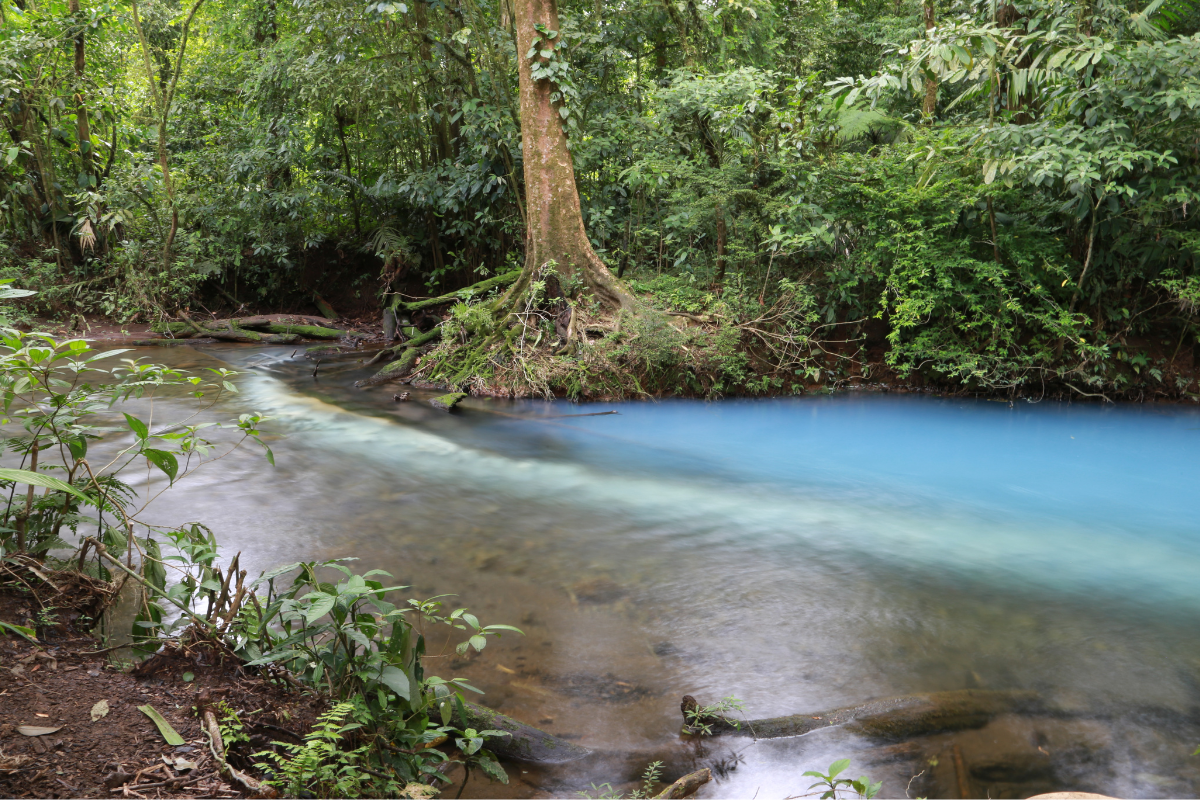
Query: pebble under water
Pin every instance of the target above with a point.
(800, 554)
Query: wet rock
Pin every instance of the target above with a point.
(598, 590)
(447, 402)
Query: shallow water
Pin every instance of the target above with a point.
(799, 554)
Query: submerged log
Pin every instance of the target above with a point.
(459, 295)
(524, 742)
(893, 718)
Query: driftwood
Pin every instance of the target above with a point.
(524, 742)
(687, 785)
(457, 296)
(893, 718)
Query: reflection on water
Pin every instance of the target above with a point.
(799, 554)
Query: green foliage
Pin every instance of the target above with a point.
(831, 784)
(321, 767)
(650, 779)
(1022, 234)
(54, 391)
(700, 719)
(347, 639)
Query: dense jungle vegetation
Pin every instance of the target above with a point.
(981, 195)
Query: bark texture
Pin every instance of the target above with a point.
(931, 87)
(555, 220)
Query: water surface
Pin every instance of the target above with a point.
(799, 554)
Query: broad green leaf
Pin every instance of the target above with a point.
(321, 604)
(38, 479)
(395, 679)
(20, 630)
(138, 427)
(171, 735)
(164, 461)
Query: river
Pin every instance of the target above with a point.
(799, 554)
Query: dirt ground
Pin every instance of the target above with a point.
(91, 739)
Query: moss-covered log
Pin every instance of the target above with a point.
(524, 742)
(473, 290)
(892, 718)
(307, 331)
(408, 353)
(246, 330)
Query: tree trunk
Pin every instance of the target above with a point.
(931, 87)
(83, 133)
(555, 228)
(163, 93)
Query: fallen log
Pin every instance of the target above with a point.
(893, 718)
(307, 331)
(687, 785)
(326, 310)
(524, 742)
(459, 295)
(246, 329)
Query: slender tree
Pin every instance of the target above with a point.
(83, 133)
(163, 92)
(931, 86)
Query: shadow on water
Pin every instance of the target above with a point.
(800, 554)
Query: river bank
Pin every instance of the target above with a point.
(857, 363)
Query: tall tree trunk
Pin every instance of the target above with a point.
(163, 92)
(555, 230)
(714, 161)
(931, 86)
(341, 130)
(83, 132)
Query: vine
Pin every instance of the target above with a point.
(547, 62)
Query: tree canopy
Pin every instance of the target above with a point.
(990, 194)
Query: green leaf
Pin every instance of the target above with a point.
(38, 479)
(78, 447)
(20, 630)
(171, 735)
(838, 766)
(321, 604)
(492, 769)
(138, 427)
(164, 461)
(395, 679)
